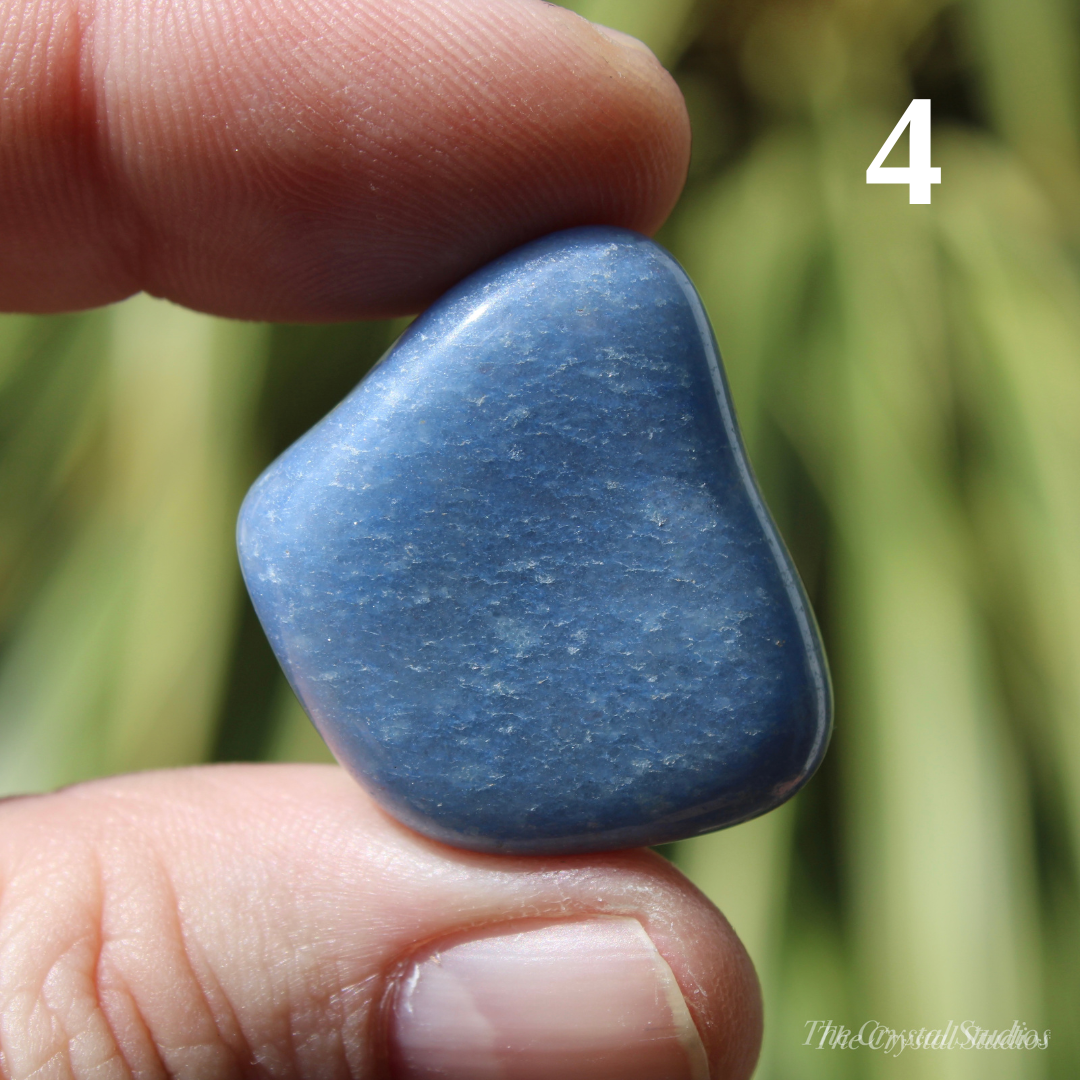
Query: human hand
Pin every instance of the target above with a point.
(302, 161)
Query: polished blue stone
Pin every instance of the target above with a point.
(522, 578)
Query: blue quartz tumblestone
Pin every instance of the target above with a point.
(522, 578)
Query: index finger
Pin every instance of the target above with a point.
(312, 159)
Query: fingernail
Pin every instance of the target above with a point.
(587, 1000)
(627, 41)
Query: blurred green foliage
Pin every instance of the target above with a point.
(908, 380)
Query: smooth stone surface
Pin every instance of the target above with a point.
(522, 579)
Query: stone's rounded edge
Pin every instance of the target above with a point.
(246, 550)
(251, 519)
(617, 839)
(822, 676)
(813, 645)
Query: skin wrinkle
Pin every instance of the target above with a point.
(63, 995)
(219, 1007)
(112, 984)
(301, 999)
(154, 28)
(237, 1051)
(120, 1007)
(43, 110)
(309, 996)
(97, 1027)
(107, 204)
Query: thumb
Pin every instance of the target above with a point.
(271, 921)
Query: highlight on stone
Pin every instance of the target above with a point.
(522, 578)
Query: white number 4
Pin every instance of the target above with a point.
(918, 175)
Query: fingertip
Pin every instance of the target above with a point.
(538, 120)
(319, 161)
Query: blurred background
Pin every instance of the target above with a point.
(908, 381)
